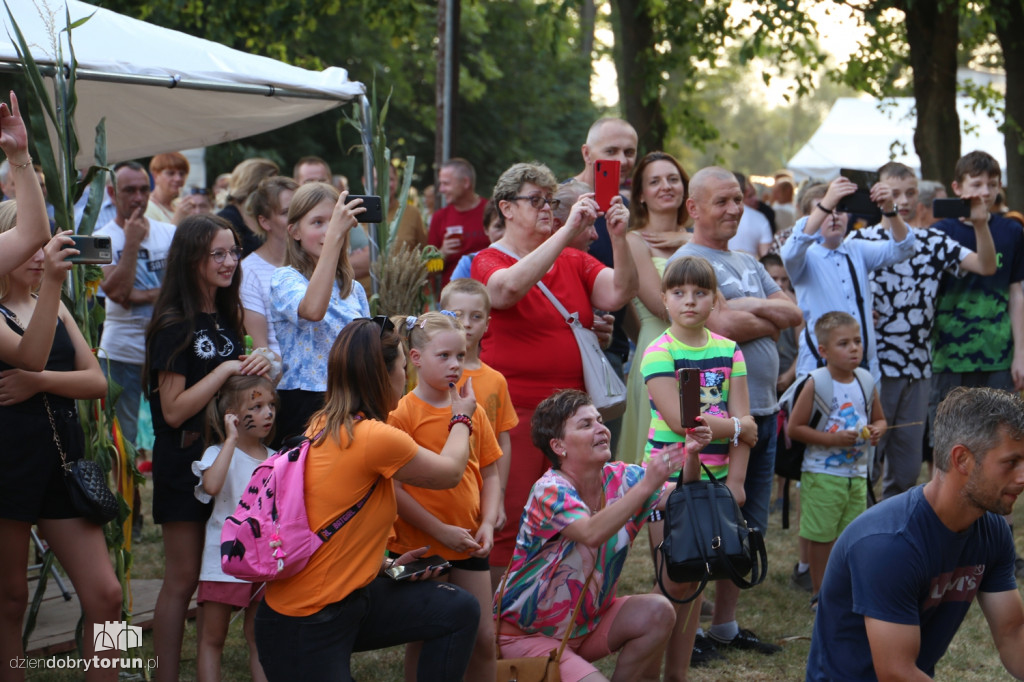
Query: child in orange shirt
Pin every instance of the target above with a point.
(457, 523)
(470, 302)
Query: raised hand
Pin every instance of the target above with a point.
(13, 135)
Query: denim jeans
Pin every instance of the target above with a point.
(382, 614)
(760, 474)
(129, 378)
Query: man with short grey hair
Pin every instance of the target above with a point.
(948, 544)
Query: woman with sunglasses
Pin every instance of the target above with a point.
(344, 600)
(193, 345)
(528, 341)
(312, 298)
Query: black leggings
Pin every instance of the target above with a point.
(382, 614)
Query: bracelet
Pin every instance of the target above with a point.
(21, 165)
(890, 215)
(826, 210)
(461, 419)
(736, 433)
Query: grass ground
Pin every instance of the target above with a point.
(774, 610)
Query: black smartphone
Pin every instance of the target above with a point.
(418, 567)
(374, 209)
(859, 203)
(606, 182)
(689, 396)
(954, 207)
(92, 249)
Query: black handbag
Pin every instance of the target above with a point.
(707, 539)
(86, 482)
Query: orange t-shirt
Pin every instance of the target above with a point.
(491, 391)
(337, 476)
(458, 506)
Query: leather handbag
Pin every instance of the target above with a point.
(533, 668)
(86, 482)
(603, 385)
(707, 539)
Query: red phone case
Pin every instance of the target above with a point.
(606, 182)
(689, 396)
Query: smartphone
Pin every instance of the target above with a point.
(93, 250)
(689, 396)
(418, 567)
(954, 207)
(859, 203)
(606, 182)
(374, 212)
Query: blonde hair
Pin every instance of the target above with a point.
(467, 286)
(306, 198)
(418, 331)
(8, 219)
(233, 397)
(246, 177)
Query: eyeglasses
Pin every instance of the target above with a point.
(198, 190)
(538, 201)
(384, 322)
(219, 255)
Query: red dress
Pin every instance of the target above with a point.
(536, 351)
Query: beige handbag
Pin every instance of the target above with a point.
(534, 668)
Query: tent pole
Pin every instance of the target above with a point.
(370, 182)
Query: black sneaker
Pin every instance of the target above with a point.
(746, 641)
(801, 581)
(704, 652)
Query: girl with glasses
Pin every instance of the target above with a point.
(313, 297)
(194, 344)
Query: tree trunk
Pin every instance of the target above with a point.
(588, 14)
(933, 38)
(1009, 21)
(638, 78)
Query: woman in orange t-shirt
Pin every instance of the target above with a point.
(309, 624)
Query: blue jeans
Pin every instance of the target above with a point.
(129, 378)
(760, 474)
(382, 614)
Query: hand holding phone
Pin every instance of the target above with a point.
(689, 396)
(954, 207)
(860, 202)
(374, 212)
(92, 249)
(606, 182)
(419, 567)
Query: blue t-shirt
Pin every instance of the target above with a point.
(937, 573)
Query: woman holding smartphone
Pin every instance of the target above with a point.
(312, 298)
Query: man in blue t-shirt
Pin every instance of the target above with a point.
(948, 545)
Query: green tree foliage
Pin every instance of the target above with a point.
(524, 90)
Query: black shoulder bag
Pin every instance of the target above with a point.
(707, 539)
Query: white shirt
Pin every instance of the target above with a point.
(754, 229)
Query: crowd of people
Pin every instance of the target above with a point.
(250, 328)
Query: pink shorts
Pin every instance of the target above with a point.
(239, 595)
(579, 652)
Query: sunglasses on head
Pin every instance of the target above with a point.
(384, 322)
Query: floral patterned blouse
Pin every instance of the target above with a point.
(305, 344)
(548, 570)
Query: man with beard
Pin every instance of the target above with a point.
(902, 575)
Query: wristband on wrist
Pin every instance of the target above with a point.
(826, 210)
(21, 165)
(461, 419)
(891, 214)
(736, 432)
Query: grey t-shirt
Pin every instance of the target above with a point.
(740, 275)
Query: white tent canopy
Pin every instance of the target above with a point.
(864, 133)
(162, 90)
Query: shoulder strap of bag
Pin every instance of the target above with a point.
(572, 619)
(329, 531)
(822, 405)
(540, 285)
(860, 309)
(867, 387)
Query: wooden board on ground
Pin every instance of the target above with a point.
(55, 625)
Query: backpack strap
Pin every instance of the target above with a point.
(867, 387)
(822, 396)
(327, 533)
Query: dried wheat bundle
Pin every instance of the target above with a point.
(402, 276)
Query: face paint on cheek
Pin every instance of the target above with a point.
(249, 422)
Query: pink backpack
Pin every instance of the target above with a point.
(268, 537)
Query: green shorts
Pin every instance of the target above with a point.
(828, 504)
